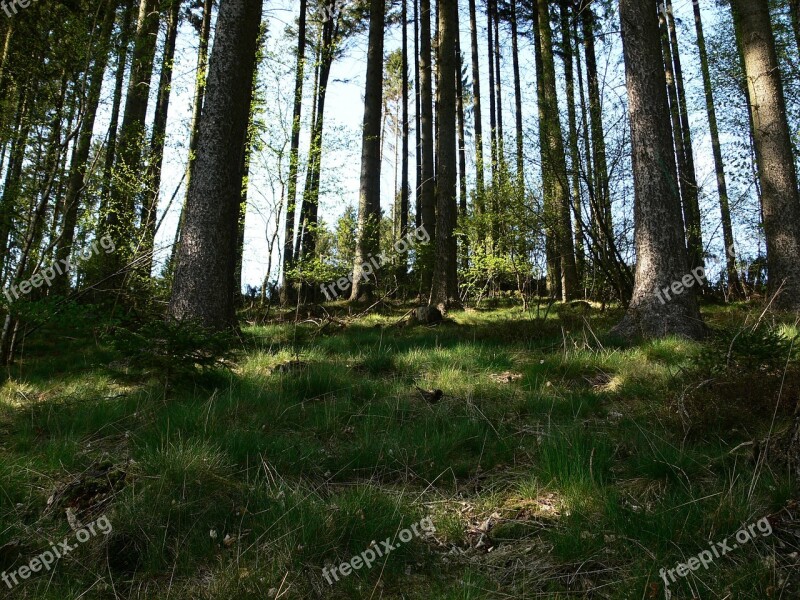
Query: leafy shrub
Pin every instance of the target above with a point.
(752, 349)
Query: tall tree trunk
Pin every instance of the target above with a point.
(575, 156)
(444, 291)
(660, 249)
(476, 110)
(157, 141)
(12, 186)
(517, 96)
(734, 285)
(369, 206)
(602, 205)
(417, 121)
(204, 276)
(309, 211)
(461, 135)
(427, 189)
(694, 234)
(776, 167)
(554, 166)
(80, 152)
(492, 97)
(197, 107)
(498, 83)
(794, 9)
(116, 103)
(404, 177)
(294, 151)
(125, 187)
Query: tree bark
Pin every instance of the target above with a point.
(773, 145)
(794, 9)
(369, 206)
(734, 285)
(157, 140)
(517, 96)
(404, 176)
(660, 249)
(417, 121)
(575, 156)
(554, 168)
(476, 110)
(125, 186)
(427, 188)
(81, 150)
(294, 154)
(444, 292)
(204, 277)
(694, 233)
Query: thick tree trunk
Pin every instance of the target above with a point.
(204, 283)
(476, 110)
(369, 206)
(444, 292)
(157, 140)
(776, 167)
(554, 167)
(294, 155)
(197, 107)
(80, 152)
(734, 285)
(427, 188)
(660, 250)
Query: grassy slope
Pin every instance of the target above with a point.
(595, 465)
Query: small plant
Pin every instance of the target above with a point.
(174, 348)
(752, 349)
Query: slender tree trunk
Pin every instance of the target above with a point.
(81, 150)
(461, 135)
(417, 121)
(776, 167)
(575, 157)
(694, 234)
(294, 155)
(554, 167)
(116, 103)
(498, 84)
(476, 110)
(13, 181)
(369, 207)
(794, 9)
(404, 176)
(427, 189)
(734, 285)
(310, 209)
(660, 249)
(602, 211)
(119, 220)
(157, 141)
(492, 97)
(517, 96)
(204, 277)
(444, 292)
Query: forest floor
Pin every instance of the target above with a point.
(557, 462)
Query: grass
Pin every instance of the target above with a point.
(557, 464)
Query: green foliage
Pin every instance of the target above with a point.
(173, 348)
(751, 349)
